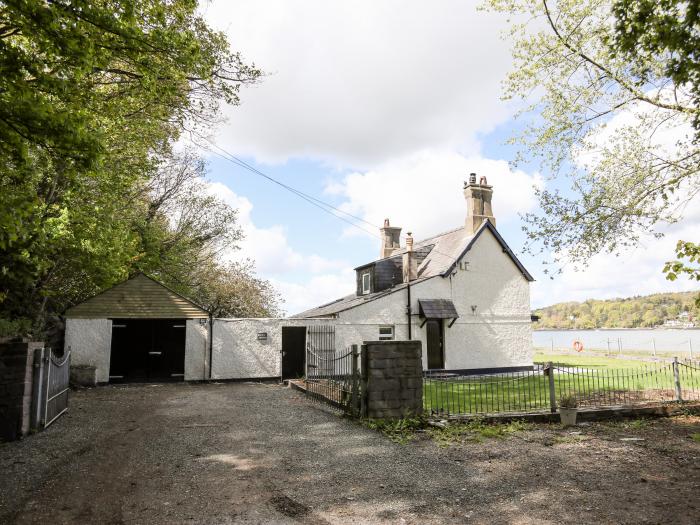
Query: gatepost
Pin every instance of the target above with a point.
(392, 379)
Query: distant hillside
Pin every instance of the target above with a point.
(633, 312)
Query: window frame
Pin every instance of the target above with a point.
(368, 289)
(386, 337)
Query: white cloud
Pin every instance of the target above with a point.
(636, 272)
(316, 291)
(360, 82)
(423, 193)
(269, 246)
(398, 91)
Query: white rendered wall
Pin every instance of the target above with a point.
(497, 335)
(237, 353)
(89, 341)
(196, 350)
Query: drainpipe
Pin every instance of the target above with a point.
(408, 309)
(409, 273)
(211, 343)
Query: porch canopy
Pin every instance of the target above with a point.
(437, 309)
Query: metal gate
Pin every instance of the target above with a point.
(332, 376)
(51, 385)
(320, 346)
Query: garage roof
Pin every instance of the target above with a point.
(141, 297)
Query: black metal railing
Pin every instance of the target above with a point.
(334, 377)
(540, 389)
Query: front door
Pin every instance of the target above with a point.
(436, 347)
(293, 351)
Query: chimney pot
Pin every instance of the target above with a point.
(410, 264)
(390, 239)
(478, 198)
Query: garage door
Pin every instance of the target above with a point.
(147, 350)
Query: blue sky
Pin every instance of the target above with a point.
(382, 109)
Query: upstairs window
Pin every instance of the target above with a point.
(386, 333)
(366, 280)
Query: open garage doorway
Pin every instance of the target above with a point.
(293, 352)
(147, 350)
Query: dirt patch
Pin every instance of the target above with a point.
(249, 453)
(289, 507)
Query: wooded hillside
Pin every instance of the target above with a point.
(632, 312)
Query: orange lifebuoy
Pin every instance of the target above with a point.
(578, 346)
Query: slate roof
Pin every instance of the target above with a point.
(437, 309)
(140, 297)
(437, 256)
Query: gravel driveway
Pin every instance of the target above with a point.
(251, 453)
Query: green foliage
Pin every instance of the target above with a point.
(695, 437)
(661, 31)
(568, 401)
(15, 327)
(691, 268)
(92, 95)
(398, 430)
(476, 431)
(606, 107)
(632, 312)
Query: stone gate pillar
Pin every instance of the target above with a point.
(392, 379)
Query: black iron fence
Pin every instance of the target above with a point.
(540, 389)
(334, 377)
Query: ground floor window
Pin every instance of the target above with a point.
(386, 333)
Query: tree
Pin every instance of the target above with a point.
(612, 89)
(691, 268)
(92, 95)
(233, 290)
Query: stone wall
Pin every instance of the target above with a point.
(16, 375)
(392, 376)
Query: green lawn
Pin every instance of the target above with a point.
(590, 361)
(594, 382)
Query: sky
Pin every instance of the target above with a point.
(382, 109)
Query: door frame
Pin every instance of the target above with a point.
(287, 329)
(153, 327)
(441, 340)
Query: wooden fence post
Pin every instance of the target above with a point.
(552, 394)
(677, 379)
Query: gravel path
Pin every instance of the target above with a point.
(250, 453)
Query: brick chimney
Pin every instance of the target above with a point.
(410, 265)
(478, 203)
(390, 239)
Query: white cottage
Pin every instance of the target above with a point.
(463, 293)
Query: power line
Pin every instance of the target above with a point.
(320, 204)
(232, 158)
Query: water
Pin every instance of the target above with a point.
(668, 342)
